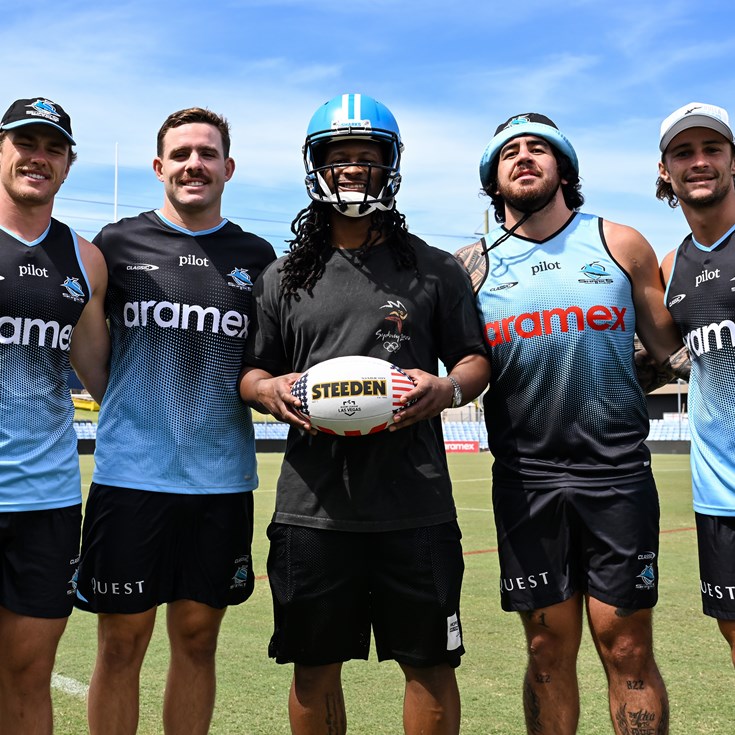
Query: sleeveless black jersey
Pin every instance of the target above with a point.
(179, 304)
(43, 290)
(564, 403)
(701, 298)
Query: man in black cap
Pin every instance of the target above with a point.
(696, 171)
(52, 283)
(576, 509)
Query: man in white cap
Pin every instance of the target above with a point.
(52, 290)
(576, 509)
(696, 171)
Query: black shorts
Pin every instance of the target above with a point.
(39, 553)
(716, 542)
(329, 587)
(553, 543)
(141, 549)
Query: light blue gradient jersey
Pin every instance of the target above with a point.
(43, 290)
(564, 404)
(179, 307)
(700, 295)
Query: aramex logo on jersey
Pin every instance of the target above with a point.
(550, 321)
(169, 315)
(17, 331)
(700, 340)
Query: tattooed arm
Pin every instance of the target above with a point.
(652, 374)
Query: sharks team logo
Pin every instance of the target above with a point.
(240, 279)
(647, 577)
(73, 290)
(520, 120)
(73, 583)
(242, 573)
(595, 273)
(45, 108)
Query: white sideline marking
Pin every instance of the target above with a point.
(472, 479)
(479, 510)
(69, 686)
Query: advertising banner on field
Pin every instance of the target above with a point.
(471, 447)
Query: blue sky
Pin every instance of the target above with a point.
(607, 73)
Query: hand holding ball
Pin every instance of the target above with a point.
(352, 396)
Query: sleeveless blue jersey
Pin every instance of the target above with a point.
(564, 403)
(701, 298)
(43, 290)
(179, 305)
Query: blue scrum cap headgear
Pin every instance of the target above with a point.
(530, 123)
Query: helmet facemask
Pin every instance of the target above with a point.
(353, 117)
(353, 203)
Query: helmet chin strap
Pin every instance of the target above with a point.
(526, 216)
(352, 203)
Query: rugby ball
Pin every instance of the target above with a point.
(352, 396)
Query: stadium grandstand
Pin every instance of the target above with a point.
(464, 428)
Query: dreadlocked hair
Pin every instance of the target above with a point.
(311, 247)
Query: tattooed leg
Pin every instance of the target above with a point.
(316, 705)
(638, 701)
(550, 690)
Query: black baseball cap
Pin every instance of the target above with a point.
(37, 110)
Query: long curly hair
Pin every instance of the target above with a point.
(311, 246)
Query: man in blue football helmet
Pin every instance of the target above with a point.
(365, 534)
(366, 120)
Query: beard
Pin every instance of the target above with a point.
(529, 199)
(708, 200)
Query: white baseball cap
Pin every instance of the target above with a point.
(695, 115)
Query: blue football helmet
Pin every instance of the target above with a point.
(358, 117)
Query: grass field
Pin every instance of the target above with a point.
(252, 690)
